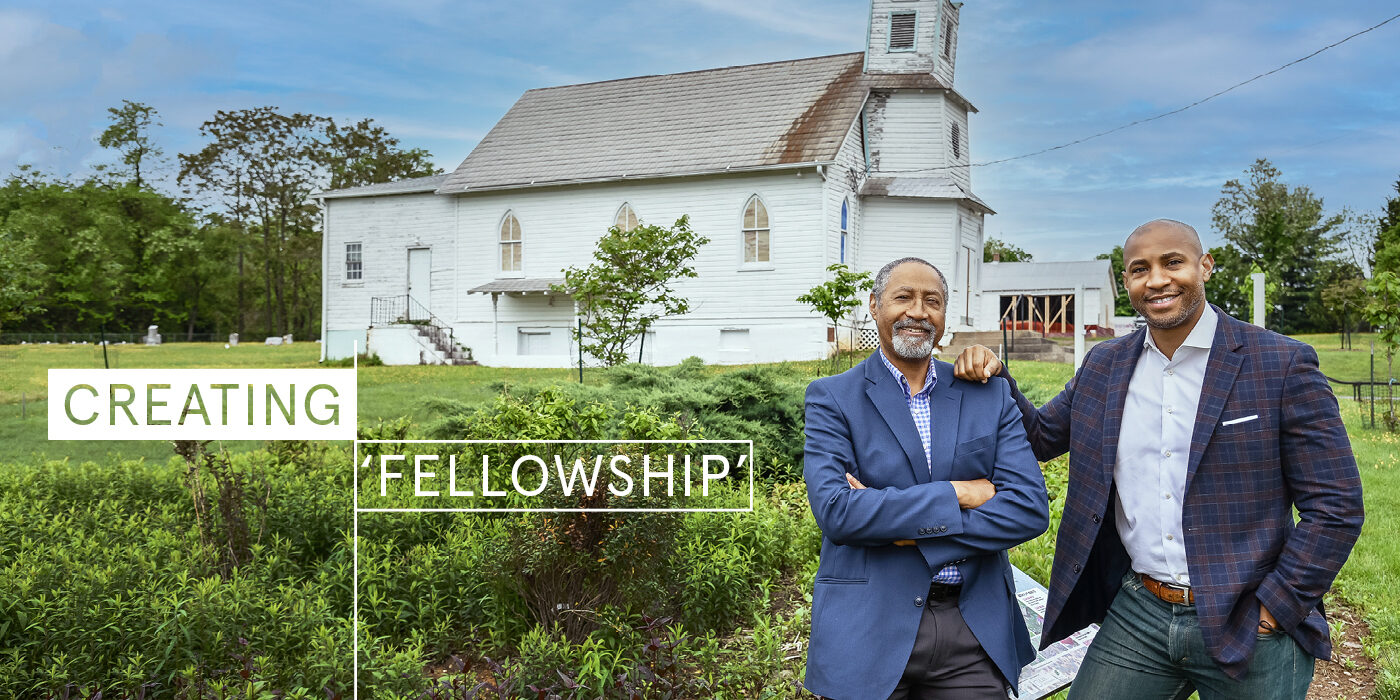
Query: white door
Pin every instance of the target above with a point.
(420, 268)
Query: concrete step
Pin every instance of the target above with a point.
(1067, 358)
(1022, 345)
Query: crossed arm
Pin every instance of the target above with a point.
(929, 514)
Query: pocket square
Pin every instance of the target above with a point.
(1240, 420)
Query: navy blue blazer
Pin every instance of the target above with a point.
(869, 593)
(1267, 439)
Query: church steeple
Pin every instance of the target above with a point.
(913, 36)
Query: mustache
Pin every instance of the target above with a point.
(911, 323)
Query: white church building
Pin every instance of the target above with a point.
(786, 167)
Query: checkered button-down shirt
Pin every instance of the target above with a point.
(920, 411)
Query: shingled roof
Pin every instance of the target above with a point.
(927, 186)
(727, 119)
(1047, 276)
(410, 186)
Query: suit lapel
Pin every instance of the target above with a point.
(888, 398)
(945, 402)
(1221, 369)
(1120, 373)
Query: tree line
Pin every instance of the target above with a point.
(237, 248)
(1321, 268)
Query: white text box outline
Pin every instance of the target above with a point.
(355, 486)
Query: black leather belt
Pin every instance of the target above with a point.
(944, 591)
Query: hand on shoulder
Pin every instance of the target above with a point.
(976, 364)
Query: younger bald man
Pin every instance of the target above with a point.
(1191, 442)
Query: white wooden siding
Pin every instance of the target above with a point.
(561, 227)
(897, 228)
(943, 68)
(971, 239)
(878, 57)
(842, 181)
(386, 227)
(955, 114)
(906, 130)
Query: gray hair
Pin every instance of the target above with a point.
(882, 278)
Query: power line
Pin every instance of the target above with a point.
(1178, 110)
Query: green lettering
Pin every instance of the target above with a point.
(194, 396)
(335, 407)
(223, 399)
(125, 405)
(152, 403)
(68, 404)
(289, 414)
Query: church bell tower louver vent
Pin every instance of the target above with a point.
(913, 37)
(902, 26)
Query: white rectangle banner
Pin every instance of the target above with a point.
(202, 404)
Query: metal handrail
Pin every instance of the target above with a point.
(404, 309)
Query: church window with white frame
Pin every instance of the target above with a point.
(756, 231)
(354, 262)
(845, 227)
(511, 242)
(626, 218)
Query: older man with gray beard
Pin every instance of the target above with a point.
(913, 596)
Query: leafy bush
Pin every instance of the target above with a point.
(761, 403)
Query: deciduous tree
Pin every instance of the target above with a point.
(1006, 251)
(1122, 306)
(1387, 243)
(264, 165)
(130, 133)
(629, 286)
(1284, 231)
(838, 296)
(364, 153)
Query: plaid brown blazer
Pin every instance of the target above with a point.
(1242, 482)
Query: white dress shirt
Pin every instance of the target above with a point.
(1153, 447)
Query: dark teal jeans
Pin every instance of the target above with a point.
(1148, 649)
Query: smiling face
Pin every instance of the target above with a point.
(1165, 272)
(909, 312)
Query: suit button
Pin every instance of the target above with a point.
(1076, 568)
(918, 602)
(943, 528)
(1096, 517)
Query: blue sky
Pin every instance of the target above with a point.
(439, 73)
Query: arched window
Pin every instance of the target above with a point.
(755, 231)
(511, 241)
(626, 218)
(845, 228)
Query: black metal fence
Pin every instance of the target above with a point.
(40, 338)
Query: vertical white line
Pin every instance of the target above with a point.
(751, 470)
(355, 580)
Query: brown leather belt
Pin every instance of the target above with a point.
(1169, 592)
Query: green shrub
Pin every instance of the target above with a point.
(114, 577)
(759, 403)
